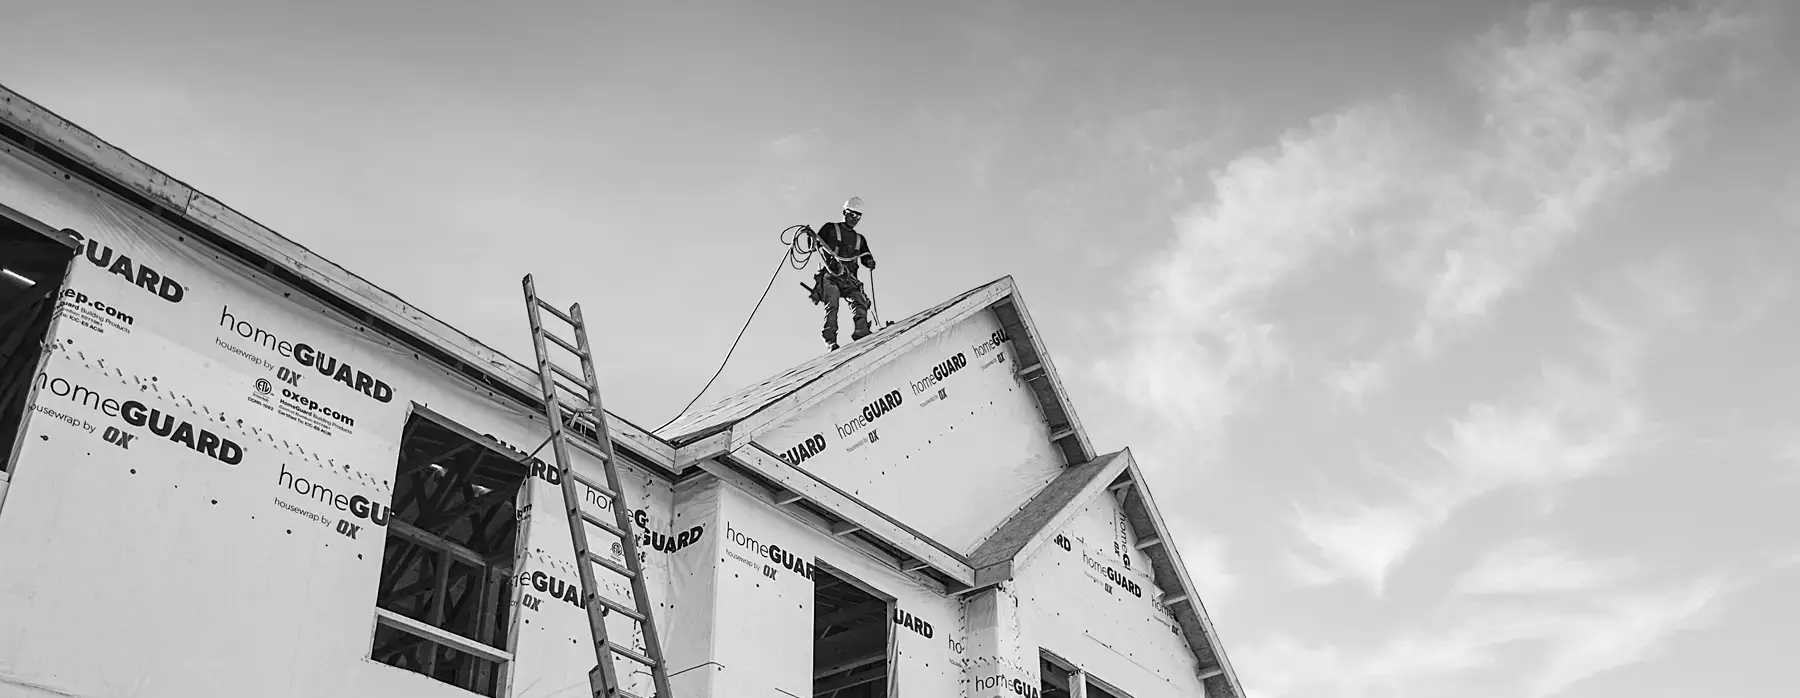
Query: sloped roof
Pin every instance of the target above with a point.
(1045, 513)
(739, 417)
(1017, 540)
(704, 422)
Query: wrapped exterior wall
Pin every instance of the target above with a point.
(216, 560)
(1092, 599)
(763, 605)
(945, 437)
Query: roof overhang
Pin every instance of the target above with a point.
(61, 143)
(1031, 530)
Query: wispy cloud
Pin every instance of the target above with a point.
(1207, 556)
(1619, 631)
(793, 171)
(1576, 419)
(1535, 651)
(1199, 335)
(1577, 107)
(1540, 565)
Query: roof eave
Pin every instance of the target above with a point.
(68, 145)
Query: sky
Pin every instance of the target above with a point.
(1455, 336)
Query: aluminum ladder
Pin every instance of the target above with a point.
(603, 679)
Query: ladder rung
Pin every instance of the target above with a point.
(595, 486)
(560, 315)
(578, 380)
(604, 525)
(630, 654)
(609, 564)
(619, 608)
(564, 344)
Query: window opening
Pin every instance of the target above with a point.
(1060, 678)
(851, 638)
(1055, 679)
(444, 607)
(34, 267)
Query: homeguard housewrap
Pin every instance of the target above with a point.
(235, 468)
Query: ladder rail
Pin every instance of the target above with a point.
(640, 588)
(594, 603)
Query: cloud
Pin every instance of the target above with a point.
(1363, 542)
(792, 172)
(1576, 107)
(1531, 651)
(1538, 565)
(1579, 106)
(1206, 556)
(1621, 631)
(1198, 335)
(1565, 427)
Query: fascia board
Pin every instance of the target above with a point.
(1181, 574)
(710, 447)
(1120, 463)
(775, 413)
(222, 220)
(1068, 406)
(848, 508)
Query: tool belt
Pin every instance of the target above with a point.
(846, 284)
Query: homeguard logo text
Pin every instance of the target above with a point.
(940, 372)
(357, 505)
(869, 414)
(993, 342)
(165, 425)
(804, 450)
(139, 275)
(912, 622)
(305, 355)
(773, 553)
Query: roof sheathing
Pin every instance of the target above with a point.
(45, 135)
(1046, 512)
(740, 405)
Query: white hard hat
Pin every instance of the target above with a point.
(854, 204)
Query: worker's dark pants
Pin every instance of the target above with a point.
(848, 288)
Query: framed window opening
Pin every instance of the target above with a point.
(1060, 678)
(853, 636)
(446, 605)
(35, 262)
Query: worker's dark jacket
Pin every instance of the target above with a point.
(840, 243)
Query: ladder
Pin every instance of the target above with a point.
(603, 679)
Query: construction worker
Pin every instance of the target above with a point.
(843, 248)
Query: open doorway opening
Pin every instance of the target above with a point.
(34, 266)
(851, 638)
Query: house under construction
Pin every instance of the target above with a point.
(236, 469)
